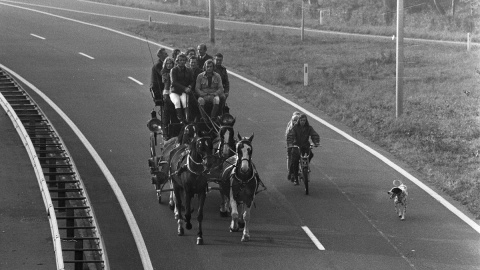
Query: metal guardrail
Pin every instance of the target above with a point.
(76, 237)
(47, 200)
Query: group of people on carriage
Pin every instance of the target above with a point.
(190, 87)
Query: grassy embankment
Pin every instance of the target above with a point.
(354, 83)
(366, 18)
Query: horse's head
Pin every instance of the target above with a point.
(244, 153)
(202, 148)
(226, 143)
(189, 133)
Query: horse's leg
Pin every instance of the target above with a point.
(171, 202)
(233, 205)
(188, 209)
(223, 205)
(178, 211)
(201, 202)
(241, 220)
(246, 217)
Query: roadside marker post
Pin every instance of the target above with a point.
(305, 74)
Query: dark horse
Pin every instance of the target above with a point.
(188, 168)
(171, 146)
(224, 148)
(240, 183)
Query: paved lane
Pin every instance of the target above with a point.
(348, 210)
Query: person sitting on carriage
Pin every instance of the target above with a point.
(168, 107)
(300, 135)
(209, 89)
(222, 71)
(156, 83)
(194, 110)
(182, 80)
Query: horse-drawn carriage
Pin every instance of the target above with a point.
(200, 156)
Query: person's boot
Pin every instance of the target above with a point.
(214, 111)
(180, 115)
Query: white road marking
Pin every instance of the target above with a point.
(37, 36)
(86, 55)
(313, 238)
(133, 79)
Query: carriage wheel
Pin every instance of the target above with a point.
(305, 180)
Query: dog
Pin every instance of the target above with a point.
(399, 195)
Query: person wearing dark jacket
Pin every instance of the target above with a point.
(182, 80)
(300, 136)
(156, 84)
(202, 55)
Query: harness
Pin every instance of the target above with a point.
(193, 167)
(243, 183)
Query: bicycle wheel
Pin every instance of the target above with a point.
(305, 180)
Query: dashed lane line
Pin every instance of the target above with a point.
(86, 55)
(37, 36)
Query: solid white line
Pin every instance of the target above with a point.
(133, 79)
(37, 36)
(86, 55)
(313, 238)
(137, 234)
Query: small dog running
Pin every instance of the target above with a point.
(399, 195)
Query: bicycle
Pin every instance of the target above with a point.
(304, 168)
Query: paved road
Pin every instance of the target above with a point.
(348, 210)
(25, 238)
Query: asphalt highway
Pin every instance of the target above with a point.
(94, 76)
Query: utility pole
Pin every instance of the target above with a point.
(211, 9)
(303, 20)
(399, 64)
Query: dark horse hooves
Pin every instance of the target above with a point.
(234, 230)
(224, 214)
(241, 224)
(199, 241)
(181, 232)
(188, 226)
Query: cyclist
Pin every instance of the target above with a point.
(300, 135)
(290, 125)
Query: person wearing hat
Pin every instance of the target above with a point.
(300, 135)
(156, 84)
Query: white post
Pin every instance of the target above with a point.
(399, 64)
(305, 74)
(468, 41)
(321, 16)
